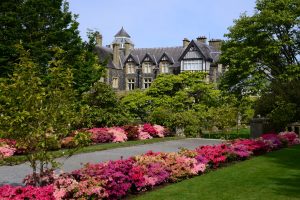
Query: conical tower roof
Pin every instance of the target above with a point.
(122, 33)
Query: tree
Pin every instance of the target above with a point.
(263, 57)
(40, 25)
(101, 107)
(37, 112)
(263, 47)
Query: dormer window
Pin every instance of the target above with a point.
(147, 68)
(130, 68)
(164, 67)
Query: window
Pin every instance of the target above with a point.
(164, 68)
(192, 65)
(147, 82)
(115, 82)
(130, 68)
(130, 84)
(147, 68)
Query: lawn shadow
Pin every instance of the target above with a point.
(288, 159)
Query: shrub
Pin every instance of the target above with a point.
(8, 192)
(132, 132)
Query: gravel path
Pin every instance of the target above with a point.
(15, 174)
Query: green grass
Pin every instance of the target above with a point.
(233, 134)
(274, 176)
(14, 160)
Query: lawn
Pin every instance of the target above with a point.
(228, 135)
(14, 160)
(274, 176)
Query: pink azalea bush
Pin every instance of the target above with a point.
(6, 151)
(291, 137)
(7, 148)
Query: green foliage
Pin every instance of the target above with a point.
(187, 102)
(263, 47)
(100, 107)
(39, 25)
(263, 54)
(36, 112)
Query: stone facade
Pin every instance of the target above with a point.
(129, 68)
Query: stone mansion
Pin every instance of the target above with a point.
(129, 68)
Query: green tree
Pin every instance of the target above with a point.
(101, 107)
(40, 25)
(37, 112)
(263, 47)
(263, 57)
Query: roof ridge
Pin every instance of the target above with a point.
(158, 48)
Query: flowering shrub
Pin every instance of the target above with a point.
(6, 151)
(101, 135)
(273, 140)
(142, 135)
(115, 174)
(8, 192)
(213, 155)
(131, 131)
(291, 137)
(46, 178)
(66, 187)
(115, 179)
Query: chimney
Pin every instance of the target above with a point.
(116, 54)
(201, 39)
(185, 42)
(128, 48)
(216, 43)
(98, 39)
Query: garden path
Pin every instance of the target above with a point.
(15, 174)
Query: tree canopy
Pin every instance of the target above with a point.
(263, 47)
(263, 58)
(38, 26)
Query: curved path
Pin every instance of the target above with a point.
(15, 174)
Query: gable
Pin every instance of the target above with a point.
(165, 57)
(191, 52)
(148, 58)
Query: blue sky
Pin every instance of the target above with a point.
(159, 23)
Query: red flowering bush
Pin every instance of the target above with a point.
(273, 140)
(101, 135)
(257, 146)
(115, 174)
(291, 137)
(7, 148)
(213, 155)
(131, 131)
(8, 192)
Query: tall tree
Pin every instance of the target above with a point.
(263, 47)
(40, 25)
(263, 57)
(36, 112)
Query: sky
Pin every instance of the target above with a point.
(159, 23)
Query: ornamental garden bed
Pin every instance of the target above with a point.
(95, 139)
(117, 179)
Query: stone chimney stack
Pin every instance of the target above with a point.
(185, 42)
(116, 54)
(216, 43)
(201, 39)
(128, 48)
(98, 39)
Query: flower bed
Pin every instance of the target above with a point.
(116, 179)
(95, 136)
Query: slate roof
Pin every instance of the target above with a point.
(122, 33)
(173, 53)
